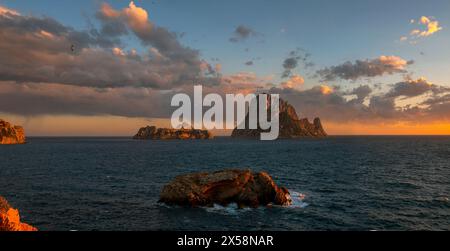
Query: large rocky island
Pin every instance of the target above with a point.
(290, 126)
(243, 187)
(153, 133)
(10, 219)
(10, 134)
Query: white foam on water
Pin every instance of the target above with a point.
(298, 200)
(231, 209)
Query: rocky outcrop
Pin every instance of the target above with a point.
(290, 126)
(10, 219)
(153, 133)
(10, 134)
(243, 187)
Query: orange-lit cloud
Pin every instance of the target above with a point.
(118, 52)
(326, 90)
(427, 26)
(432, 26)
(5, 11)
(294, 82)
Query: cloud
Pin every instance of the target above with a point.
(39, 50)
(289, 64)
(426, 26)
(242, 33)
(8, 12)
(293, 60)
(336, 106)
(365, 68)
(415, 87)
(295, 82)
(361, 92)
(432, 26)
(412, 88)
(137, 20)
(249, 63)
(56, 99)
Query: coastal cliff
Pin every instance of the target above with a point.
(10, 218)
(153, 133)
(290, 125)
(10, 134)
(243, 187)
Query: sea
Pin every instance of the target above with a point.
(367, 183)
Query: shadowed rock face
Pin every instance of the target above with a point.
(151, 132)
(10, 219)
(11, 134)
(290, 126)
(243, 187)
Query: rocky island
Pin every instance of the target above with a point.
(10, 218)
(290, 126)
(243, 187)
(10, 134)
(153, 133)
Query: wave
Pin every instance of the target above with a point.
(298, 200)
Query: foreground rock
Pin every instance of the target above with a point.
(10, 219)
(153, 133)
(290, 126)
(10, 134)
(243, 187)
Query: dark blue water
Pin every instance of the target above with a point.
(351, 183)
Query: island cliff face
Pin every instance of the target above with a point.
(10, 134)
(153, 133)
(10, 219)
(243, 187)
(290, 125)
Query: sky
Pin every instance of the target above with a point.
(108, 67)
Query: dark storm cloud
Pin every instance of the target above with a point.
(365, 68)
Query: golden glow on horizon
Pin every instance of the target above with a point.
(67, 125)
(394, 128)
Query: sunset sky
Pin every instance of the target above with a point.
(107, 68)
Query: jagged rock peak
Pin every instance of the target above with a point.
(11, 134)
(10, 218)
(290, 125)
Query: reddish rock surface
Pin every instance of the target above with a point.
(10, 218)
(290, 126)
(153, 133)
(10, 134)
(243, 187)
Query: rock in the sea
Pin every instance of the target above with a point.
(10, 134)
(290, 126)
(243, 187)
(10, 219)
(153, 133)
